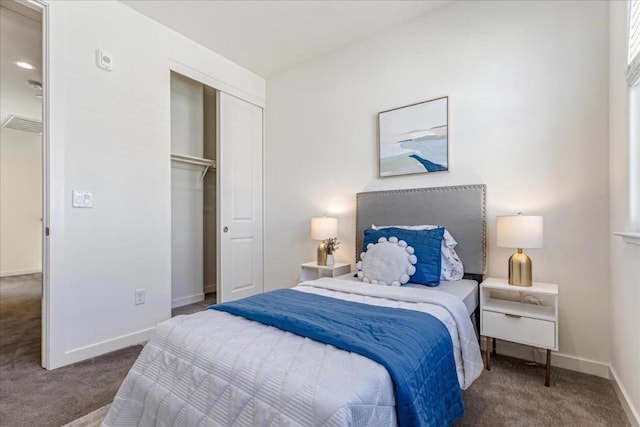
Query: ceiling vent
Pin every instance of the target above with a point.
(23, 124)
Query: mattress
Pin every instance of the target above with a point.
(465, 289)
(215, 369)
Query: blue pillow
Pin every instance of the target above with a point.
(427, 245)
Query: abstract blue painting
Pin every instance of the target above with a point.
(414, 139)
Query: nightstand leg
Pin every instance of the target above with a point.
(547, 376)
(487, 350)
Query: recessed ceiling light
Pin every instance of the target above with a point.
(25, 65)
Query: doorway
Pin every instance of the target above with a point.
(216, 208)
(193, 195)
(22, 183)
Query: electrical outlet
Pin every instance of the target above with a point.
(104, 59)
(140, 296)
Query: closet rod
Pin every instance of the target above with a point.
(193, 160)
(207, 163)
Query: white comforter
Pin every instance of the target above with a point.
(216, 369)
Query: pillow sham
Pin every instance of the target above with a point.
(388, 262)
(451, 266)
(426, 244)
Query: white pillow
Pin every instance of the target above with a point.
(451, 268)
(388, 262)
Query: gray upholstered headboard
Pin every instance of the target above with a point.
(461, 209)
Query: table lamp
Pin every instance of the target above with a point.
(519, 231)
(323, 228)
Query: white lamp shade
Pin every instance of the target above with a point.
(519, 231)
(323, 228)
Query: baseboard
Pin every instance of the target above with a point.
(98, 349)
(189, 299)
(9, 273)
(629, 410)
(559, 360)
(210, 288)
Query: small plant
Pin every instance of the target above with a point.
(332, 245)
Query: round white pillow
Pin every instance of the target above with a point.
(387, 263)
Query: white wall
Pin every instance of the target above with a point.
(20, 202)
(110, 133)
(187, 128)
(528, 97)
(624, 211)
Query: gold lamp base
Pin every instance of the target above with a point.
(520, 269)
(322, 253)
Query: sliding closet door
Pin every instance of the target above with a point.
(240, 203)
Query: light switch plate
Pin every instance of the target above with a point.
(82, 199)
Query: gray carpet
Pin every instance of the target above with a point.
(209, 299)
(32, 396)
(511, 394)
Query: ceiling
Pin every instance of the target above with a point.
(269, 37)
(20, 40)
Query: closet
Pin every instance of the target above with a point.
(216, 194)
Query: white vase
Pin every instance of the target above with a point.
(330, 260)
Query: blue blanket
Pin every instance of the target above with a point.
(414, 347)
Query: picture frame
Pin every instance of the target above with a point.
(414, 139)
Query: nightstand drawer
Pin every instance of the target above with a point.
(525, 330)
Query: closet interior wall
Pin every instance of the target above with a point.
(193, 198)
(210, 195)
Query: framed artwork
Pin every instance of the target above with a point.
(414, 139)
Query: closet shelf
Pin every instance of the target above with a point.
(192, 160)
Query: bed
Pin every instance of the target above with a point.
(461, 209)
(237, 365)
(465, 289)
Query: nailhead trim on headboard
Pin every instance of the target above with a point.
(426, 191)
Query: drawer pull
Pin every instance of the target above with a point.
(515, 316)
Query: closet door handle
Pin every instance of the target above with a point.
(225, 229)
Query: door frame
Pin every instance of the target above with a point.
(202, 77)
(43, 7)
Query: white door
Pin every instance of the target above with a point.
(240, 198)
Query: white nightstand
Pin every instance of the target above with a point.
(525, 315)
(313, 271)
